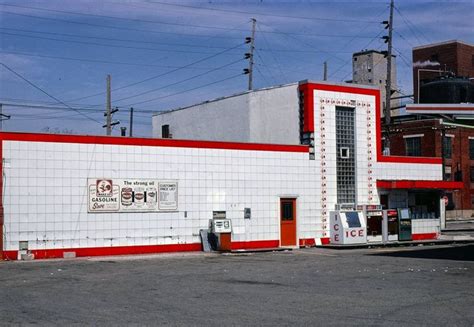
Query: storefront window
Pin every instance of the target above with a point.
(472, 174)
(413, 146)
(471, 149)
(448, 147)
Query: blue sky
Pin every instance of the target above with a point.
(166, 54)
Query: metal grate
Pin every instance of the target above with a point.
(345, 152)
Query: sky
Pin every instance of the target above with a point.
(55, 55)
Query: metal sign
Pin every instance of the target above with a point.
(131, 195)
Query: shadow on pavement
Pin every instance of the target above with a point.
(461, 253)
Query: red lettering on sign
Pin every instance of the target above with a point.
(361, 232)
(336, 238)
(353, 233)
(336, 227)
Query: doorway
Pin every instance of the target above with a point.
(288, 222)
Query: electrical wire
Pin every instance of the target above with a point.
(411, 26)
(103, 44)
(187, 90)
(113, 39)
(117, 18)
(111, 27)
(43, 91)
(178, 82)
(272, 55)
(262, 14)
(161, 74)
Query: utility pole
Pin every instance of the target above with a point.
(108, 120)
(388, 86)
(130, 130)
(249, 55)
(325, 74)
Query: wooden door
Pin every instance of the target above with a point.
(288, 222)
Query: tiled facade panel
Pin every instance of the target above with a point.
(45, 193)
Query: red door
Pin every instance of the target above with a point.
(288, 222)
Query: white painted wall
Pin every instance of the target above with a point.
(261, 116)
(45, 193)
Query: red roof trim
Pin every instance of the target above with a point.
(87, 139)
(378, 129)
(406, 184)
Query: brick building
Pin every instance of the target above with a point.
(432, 60)
(416, 136)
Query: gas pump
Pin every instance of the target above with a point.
(404, 225)
(221, 231)
(374, 216)
(390, 225)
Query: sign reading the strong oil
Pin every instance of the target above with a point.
(132, 195)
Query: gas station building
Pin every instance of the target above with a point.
(294, 165)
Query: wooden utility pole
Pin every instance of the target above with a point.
(252, 48)
(130, 129)
(388, 86)
(325, 74)
(108, 119)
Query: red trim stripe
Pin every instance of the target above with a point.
(424, 236)
(307, 242)
(308, 89)
(87, 139)
(131, 250)
(409, 184)
(255, 245)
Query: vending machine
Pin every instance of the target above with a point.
(404, 225)
(374, 216)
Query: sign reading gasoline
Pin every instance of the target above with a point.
(132, 195)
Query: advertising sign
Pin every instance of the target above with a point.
(132, 195)
(168, 196)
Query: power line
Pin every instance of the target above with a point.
(114, 39)
(187, 90)
(411, 26)
(302, 42)
(178, 82)
(162, 74)
(102, 44)
(99, 61)
(263, 14)
(117, 18)
(112, 27)
(43, 91)
(272, 55)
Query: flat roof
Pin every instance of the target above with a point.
(361, 86)
(441, 108)
(432, 45)
(223, 98)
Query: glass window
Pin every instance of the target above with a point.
(471, 149)
(413, 146)
(448, 147)
(352, 218)
(472, 174)
(287, 210)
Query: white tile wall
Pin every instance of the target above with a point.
(45, 191)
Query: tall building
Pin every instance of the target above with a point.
(431, 61)
(369, 67)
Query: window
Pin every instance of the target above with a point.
(472, 60)
(434, 57)
(165, 131)
(448, 173)
(287, 211)
(472, 174)
(448, 147)
(471, 149)
(413, 146)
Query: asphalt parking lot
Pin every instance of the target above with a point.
(394, 286)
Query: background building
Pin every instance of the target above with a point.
(431, 61)
(369, 67)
